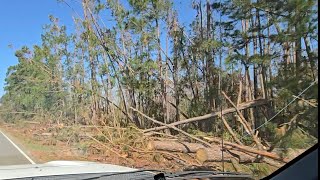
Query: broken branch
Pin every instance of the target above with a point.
(172, 127)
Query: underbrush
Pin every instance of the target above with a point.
(297, 139)
(127, 146)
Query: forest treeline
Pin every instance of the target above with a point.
(146, 63)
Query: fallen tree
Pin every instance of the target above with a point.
(172, 127)
(242, 154)
(246, 149)
(250, 104)
(215, 155)
(243, 157)
(245, 123)
(174, 146)
(203, 154)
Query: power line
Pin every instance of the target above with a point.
(285, 107)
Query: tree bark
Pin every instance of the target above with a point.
(211, 155)
(176, 69)
(214, 155)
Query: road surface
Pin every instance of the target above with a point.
(10, 153)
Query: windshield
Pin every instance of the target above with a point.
(170, 85)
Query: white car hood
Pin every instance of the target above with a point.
(58, 168)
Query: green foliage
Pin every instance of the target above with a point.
(297, 140)
(210, 44)
(269, 131)
(34, 84)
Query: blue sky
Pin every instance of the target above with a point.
(21, 23)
